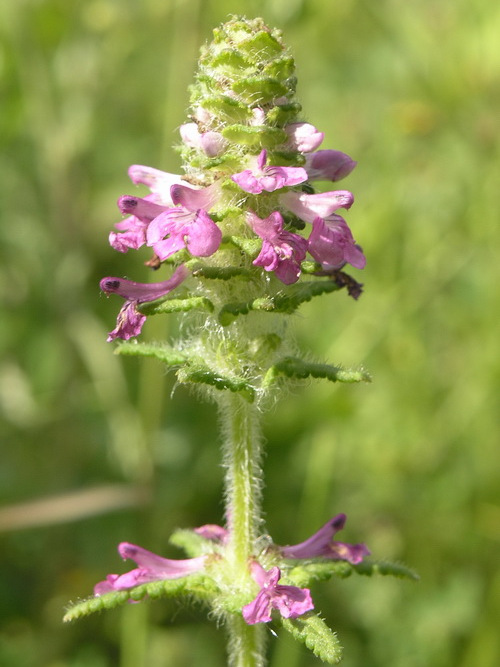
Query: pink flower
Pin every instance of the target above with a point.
(332, 244)
(195, 231)
(211, 143)
(321, 545)
(290, 601)
(132, 230)
(151, 568)
(159, 182)
(129, 321)
(303, 137)
(195, 198)
(308, 207)
(187, 225)
(142, 212)
(269, 178)
(328, 165)
(282, 251)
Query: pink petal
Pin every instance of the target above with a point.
(128, 323)
(304, 137)
(125, 241)
(307, 207)
(157, 181)
(143, 209)
(194, 199)
(332, 245)
(204, 236)
(141, 292)
(328, 165)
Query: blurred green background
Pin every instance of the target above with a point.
(97, 449)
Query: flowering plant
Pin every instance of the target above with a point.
(246, 240)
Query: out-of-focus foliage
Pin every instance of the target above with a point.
(412, 91)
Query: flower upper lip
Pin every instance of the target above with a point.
(151, 567)
(321, 545)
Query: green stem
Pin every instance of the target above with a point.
(242, 452)
(246, 643)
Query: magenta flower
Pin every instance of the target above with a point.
(332, 244)
(172, 210)
(290, 601)
(308, 207)
(187, 225)
(129, 321)
(282, 251)
(151, 568)
(195, 231)
(303, 137)
(328, 165)
(321, 545)
(269, 178)
(133, 229)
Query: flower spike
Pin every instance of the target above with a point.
(236, 216)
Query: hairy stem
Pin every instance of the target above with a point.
(242, 453)
(246, 643)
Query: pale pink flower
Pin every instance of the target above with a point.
(303, 137)
(211, 143)
(308, 207)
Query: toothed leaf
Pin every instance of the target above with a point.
(196, 585)
(177, 305)
(300, 369)
(161, 352)
(316, 635)
(204, 375)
